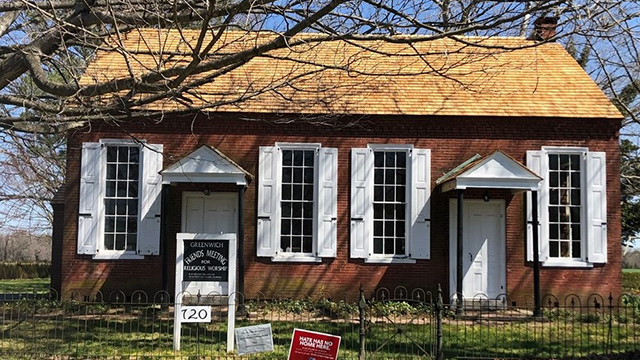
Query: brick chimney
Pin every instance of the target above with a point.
(544, 28)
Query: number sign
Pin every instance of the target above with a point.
(195, 314)
(206, 260)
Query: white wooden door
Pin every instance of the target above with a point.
(210, 214)
(483, 260)
(482, 247)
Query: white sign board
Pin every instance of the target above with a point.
(254, 339)
(230, 283)
(195, 314)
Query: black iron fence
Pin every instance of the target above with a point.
(392, 324)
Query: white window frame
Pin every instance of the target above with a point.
(394, 258)
(582, 152)
(102, 253)
(282, 256)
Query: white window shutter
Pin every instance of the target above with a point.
(361, 202)
(269, 169)
(596, 207)
(420, 233)
(538, 162)
(327, 202)
(150, 196)
(90, 197)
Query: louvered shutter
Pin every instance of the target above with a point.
(596, 207)
(361, 201)
(420, 233)
(89, 209)
(268, 200)
(537, 161)
(150, 196)
(327, 201)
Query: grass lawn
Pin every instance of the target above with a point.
(631, 270)
(24, 285)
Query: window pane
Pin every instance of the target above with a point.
(401, 160)
(307, 210)
(296, 227)
(122, 189)
(553, 214)
(132, 242)
(564, 179)
(123, 154)
(400, 194)
(400, 247)
(390, 176)
(389, 211)
(109, 242)
(132, 207)
(400, 211)
(132, 224)
(553, 248)
(134, 155)
(123, 171)
(388, 228)
(308, 158)
(564, 162)
(110, 189)
(378, 159)
(389, 195)
(297, 192)
(575, 179)
(286, 192)
(111, 171)
(307, 244)
(297, 158)
(400, 228)
(553, 179)
(564, 214)
(575, 215)
(390, 159)
(121, 224)
(377, 245)
(285, 243)
(287, 157)
(576, 253)
(576, 232)
(575, 162)
(285, 227)
(554, 231)
(564, 196)
(112, 154)
(110, 206)
(120, 241)
(296, 243)
(297, 175)
(378, 177)
(109, 224)
(553, 197)
(133, 189)
(286, 209)
(401, 177)
(564, 249)
(121, 207)
(308, 192)
(378, 193)
(287, 175)
(378, 211)
(388, 246)
(377, 228)
(575, 197)
(564, 232)
(307, 227)
(308, 175)
(553, 162)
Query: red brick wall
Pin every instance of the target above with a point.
(451, 140)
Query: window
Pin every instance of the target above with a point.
(297, 202)
(565, 209)
(119, 212)
(296, 206)
(390, 212)
(572, 206)
(389, 202)
(121, 198)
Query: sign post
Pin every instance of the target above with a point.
(205, 258)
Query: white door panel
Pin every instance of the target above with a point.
(212, 214)
(484, 247)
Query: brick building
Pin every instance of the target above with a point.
(355, 176)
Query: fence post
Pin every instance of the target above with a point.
(439, 309)
(361, 305)
(610, 330)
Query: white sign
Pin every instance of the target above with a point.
(254, 339)
(195, 314)
(179, 315)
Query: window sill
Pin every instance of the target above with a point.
(567, 263)
(117, 256)
(296, 258)
(389, 260)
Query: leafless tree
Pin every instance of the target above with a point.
(46, 44)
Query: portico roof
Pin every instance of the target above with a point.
(494, 171)
(206, 165)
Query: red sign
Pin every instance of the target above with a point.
(311, 345)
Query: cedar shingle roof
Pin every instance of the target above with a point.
(441, 77)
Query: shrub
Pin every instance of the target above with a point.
(16, 270)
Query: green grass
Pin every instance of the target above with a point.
(24, 285)
(631, 270)
(123, 331)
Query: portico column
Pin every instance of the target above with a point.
(459, 272)
(240, 239)
(536, 255)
